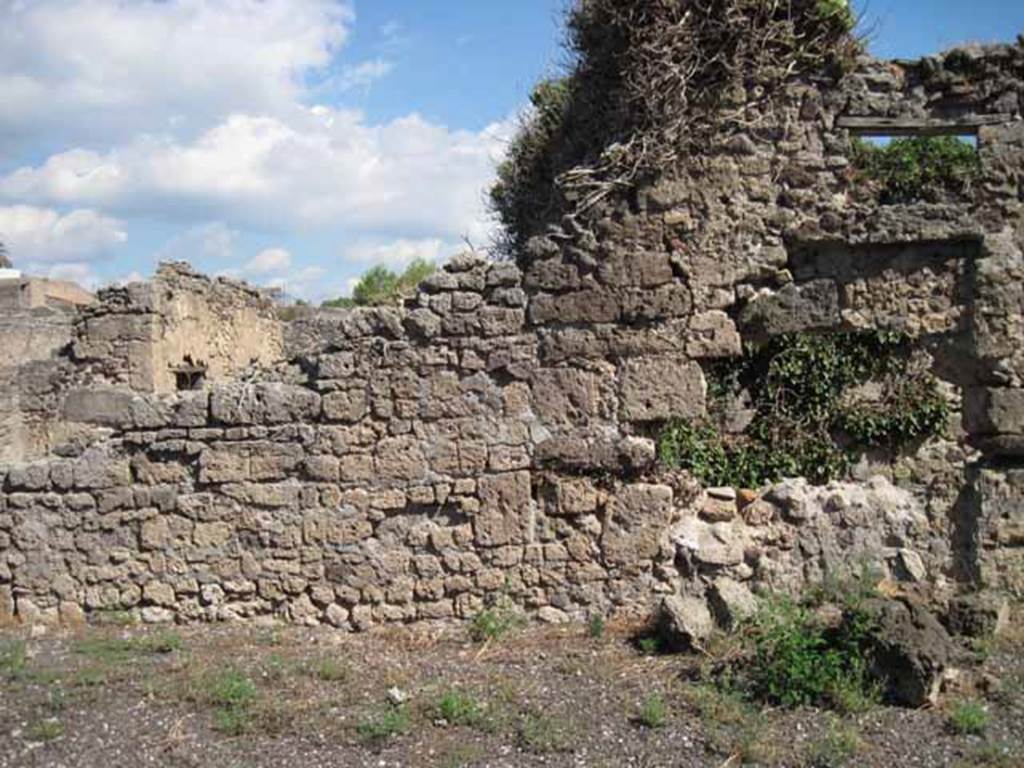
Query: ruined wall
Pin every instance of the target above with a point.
(495, 437)
(24, 293)
(142, 335)
(30, 339)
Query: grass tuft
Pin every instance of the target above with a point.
(384, 724)
(458, 708)
(969, 718)
(653, 712)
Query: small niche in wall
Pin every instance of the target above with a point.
(190, 375)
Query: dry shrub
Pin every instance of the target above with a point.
(655, 81)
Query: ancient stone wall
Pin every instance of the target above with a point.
(146, 335)
(496, 436)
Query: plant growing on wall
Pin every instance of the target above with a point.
(928, 168)
(817, 401)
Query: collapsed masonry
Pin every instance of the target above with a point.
(494, 437)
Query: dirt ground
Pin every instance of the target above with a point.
(264, 696)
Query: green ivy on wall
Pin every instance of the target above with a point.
(818, 401)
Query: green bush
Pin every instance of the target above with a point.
(596, 627)
(837, 9)
(929, 168)
(805, 423)
(798, 662)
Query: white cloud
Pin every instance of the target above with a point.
(109, 68)
(45, 236)
(75, 272)
(328, 167)
(213, 240)
(272, 261)
(361, 76)
(205, 113)
(306, 283)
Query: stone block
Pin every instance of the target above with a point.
(572, 396)
(994, 411)
(686, 622)
(103, 407)
(713, 335)
(325, 469)
(588, 306)
(638, 518)
(641, 270)
(664, 303)
(659, 388)
(732, 602)
(224, 465)
(552, 275)
(505, 509)
(400, 458)
(793, 309)
(573, 497)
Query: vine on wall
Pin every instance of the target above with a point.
(815, 403)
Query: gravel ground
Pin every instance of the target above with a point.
(249, 696)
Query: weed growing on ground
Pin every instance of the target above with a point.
(45, 730)
(836, 747)
(330, 671)
(968, 717)
(545, 733)
(651, 645)
(993, 755)
(119, 649)
(458, 708)
(495, 622)
(732, 724)
(13, 659)
(596, 627)
(383, 724)
(653, 712)
(114, 617)
(233, 695)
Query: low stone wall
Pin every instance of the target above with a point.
(411, 469)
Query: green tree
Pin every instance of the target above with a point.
(380, 286)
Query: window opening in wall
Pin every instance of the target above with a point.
(190, 375)
(907, 169)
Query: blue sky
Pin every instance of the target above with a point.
(292, 142)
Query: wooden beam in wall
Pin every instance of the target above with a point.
(869, 125)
